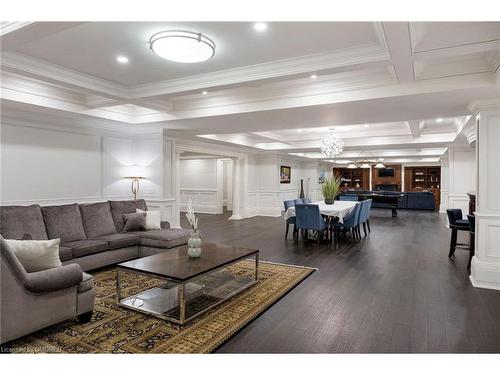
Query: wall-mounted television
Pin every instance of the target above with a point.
(386, 172)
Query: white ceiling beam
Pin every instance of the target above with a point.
(414, 126)
(398, 40)
(291, 67)
(492, 45)
(10, 27)
(39, 69)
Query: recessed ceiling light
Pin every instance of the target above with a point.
(439, 120)
(299, 130)
(204, 92)
(122, 59)
(367, 125)
(182, 46)
(260, 26)
(314, 76)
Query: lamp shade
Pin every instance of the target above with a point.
(134, 171)
(379, 165)
(352, 166)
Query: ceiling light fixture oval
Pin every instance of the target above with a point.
(182, 46)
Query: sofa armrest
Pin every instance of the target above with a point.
(165, 225)
(54, 279)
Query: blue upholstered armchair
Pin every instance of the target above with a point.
(353, 198)
(306, 200)
(290, 220)
(298, 201)
(309, 218)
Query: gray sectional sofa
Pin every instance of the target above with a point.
(91, 234)
(91, 237)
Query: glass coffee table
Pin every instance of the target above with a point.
(187, 287)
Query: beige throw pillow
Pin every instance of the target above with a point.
(36, 255)
(153, 219)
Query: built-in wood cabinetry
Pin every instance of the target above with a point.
(387, 183)
(424, 179)
(358, 178)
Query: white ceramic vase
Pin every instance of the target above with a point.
(194, 245)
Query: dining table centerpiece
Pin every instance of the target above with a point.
(330, 189)
(194, 242)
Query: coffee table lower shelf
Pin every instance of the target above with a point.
(181, 302)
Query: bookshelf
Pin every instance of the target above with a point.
(424, 179)
(353, 178)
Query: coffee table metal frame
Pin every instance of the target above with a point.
(181, 290)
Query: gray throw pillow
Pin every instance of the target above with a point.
(134, 222)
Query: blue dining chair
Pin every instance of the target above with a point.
(306, 200)
(366, 223)
(351, 221)
(352, 198)
(290, 220)
(298, 201)
(309, 218)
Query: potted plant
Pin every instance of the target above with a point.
(330, 188)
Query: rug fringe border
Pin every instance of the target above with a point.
(285, 264)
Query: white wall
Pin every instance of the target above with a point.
(462, 177)
(45, 165)
(51, 166)
(199, 182)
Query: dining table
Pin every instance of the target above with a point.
(339, 209)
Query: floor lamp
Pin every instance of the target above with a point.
(135, 177)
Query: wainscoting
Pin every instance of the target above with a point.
(204, 200)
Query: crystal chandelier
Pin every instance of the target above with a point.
(331, 146)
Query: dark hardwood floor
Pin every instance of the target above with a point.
(395, 291)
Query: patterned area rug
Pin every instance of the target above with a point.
(115, 329)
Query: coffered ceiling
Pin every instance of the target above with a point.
(380, 85)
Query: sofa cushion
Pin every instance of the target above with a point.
(120, 208)
(16, 221)
(164, 238)
(118, 240)
(86, 247)
(97, 219)
(134, 222)
(87, 283)
(64, 222)
(65, 253)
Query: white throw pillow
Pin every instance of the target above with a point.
(153, 219)
(36, 255)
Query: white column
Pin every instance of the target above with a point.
(485, 270)
(236, 190)
(462, 172)
(168, 203)
(444, 184)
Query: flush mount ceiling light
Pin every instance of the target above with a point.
(122, 59)
(260, 26)
(331, 146)
(182, 46)
(439, 119)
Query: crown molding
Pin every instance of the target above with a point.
(484, 105)
(279, 68)
(9, 27)
(122, 131)
(17, 62)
